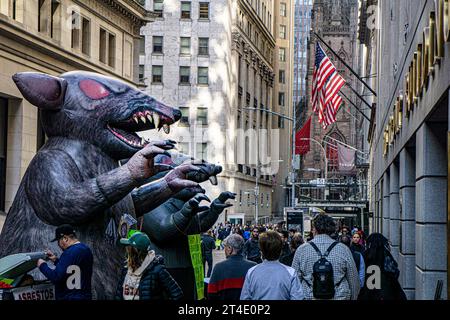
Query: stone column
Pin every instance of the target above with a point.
(394, 211)
(407, 258)
(431, 213)
(386, 204)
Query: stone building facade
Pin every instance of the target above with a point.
(55, 37)
(409, 138)
(216, 61)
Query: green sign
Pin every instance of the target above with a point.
(195, 249)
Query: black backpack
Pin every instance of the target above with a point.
(323, 277)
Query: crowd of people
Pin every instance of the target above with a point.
(263, 262)
(266, 262)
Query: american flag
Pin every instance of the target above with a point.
(325, 86)
(330, 100)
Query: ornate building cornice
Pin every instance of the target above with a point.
(132, 10)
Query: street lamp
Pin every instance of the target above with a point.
(293, 120)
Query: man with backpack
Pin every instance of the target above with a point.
(326, 267)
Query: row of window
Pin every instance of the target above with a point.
(262, 11)
(201, 117)
(251, 198)
(186, 9)
(185, 46)
(200, 150)
(185, 75)
(81, 40)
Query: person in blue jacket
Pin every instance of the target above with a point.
(73, 270)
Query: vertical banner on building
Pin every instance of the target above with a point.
(346, 158)
(195, 248)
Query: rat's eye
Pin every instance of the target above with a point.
(93, 89)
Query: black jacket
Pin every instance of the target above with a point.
(390, 288)
(251, 250)
(156, 283)
(208, 245)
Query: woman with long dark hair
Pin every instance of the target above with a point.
(387, 287)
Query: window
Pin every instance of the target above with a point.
(202, 75)
(283, 9)
(102, 46)
(75, 30)
(281, 97)
(111, 50)
(86, 36)
(282, 31)
(157, 74)
(158, 7)
(184, 121)
(202, 116)
(280, 123)
(183, 147)
(201, 151)
(185, 10)
(81, 34)
(185, 45)
(55, 22)
(203, 46)
(204, 10)
(42, 16)
(157, 44)
(142, 46)
(282, 54)
(185, 75)
(107, 53)
(141, 73)
(282, 76)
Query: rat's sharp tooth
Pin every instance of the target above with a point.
(156, 119)
(136, 119)
(143, 141)
(143, 119)
(213, 180)
(166, 128)
(149, 117)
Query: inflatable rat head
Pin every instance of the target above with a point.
(101, 110)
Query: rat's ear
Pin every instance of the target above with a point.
(42, 90)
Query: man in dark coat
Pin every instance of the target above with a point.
(228, 276)
(208, 245)
(251, 247)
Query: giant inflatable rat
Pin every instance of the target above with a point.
(91, 123)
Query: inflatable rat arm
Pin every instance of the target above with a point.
(203, 221)
(150, 196)
(166, 227)
(146, 198)
(59, 195)
(187, 217)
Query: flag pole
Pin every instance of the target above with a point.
(343, 94)
(359, 96)
(346, 65)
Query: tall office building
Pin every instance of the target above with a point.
(302, 28)
(215, 60)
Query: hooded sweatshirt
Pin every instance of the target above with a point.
(133, 278)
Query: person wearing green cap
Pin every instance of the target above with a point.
(144, 276)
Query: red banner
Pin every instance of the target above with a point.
(302, 142)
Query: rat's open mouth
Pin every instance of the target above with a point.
(139, 121)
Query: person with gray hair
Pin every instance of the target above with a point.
(227, 278)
